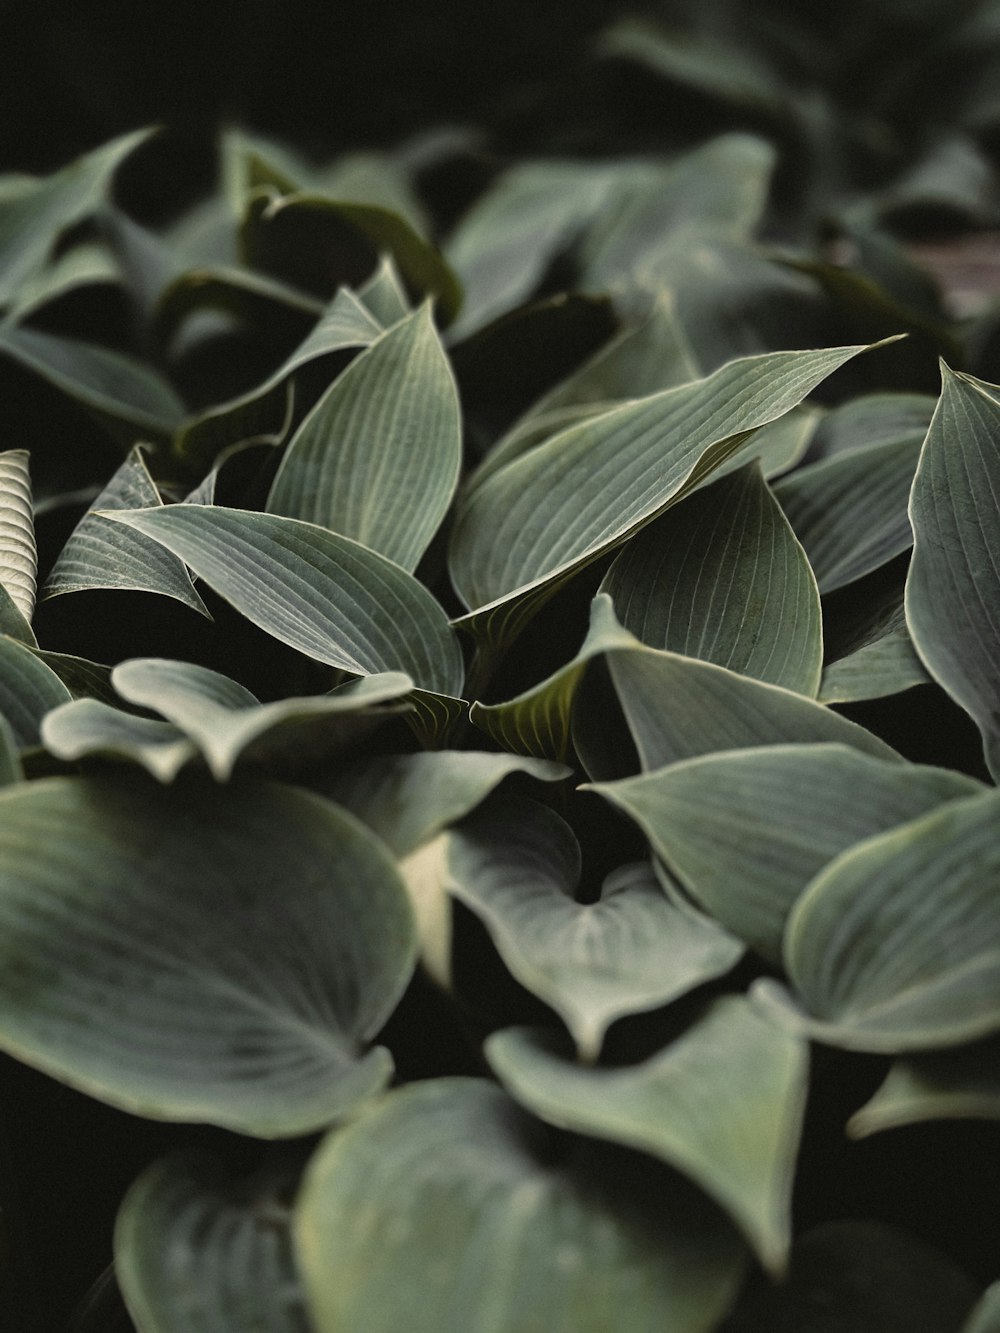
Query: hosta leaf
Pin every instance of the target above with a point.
(518, 866)
(953, 587)
(28, 689)
(101, 554)
(408, 799)
(83, 679)
(722, 578)
(895, 945)
(560, 506)
(226, 722)
(849, 512)
(18, 554)
(878, 657)
(231, 972)
(345, 324)
(12, 621)
(86, 264)
(321, 593)
(447, 1188)
(239, 292)
(33, 218)
(384, 294)
(86, 727)
(723, 1104)
(127, 396)
(198, 1253)
(746, 831)
(985, 1317)
(872, 420)
(859, 1276)
(937, 1085)
(10, 763)
(377, 458)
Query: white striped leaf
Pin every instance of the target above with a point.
(448, 1189)
(953, 586)
(722, 1103)
(199, 953)
(18, 553)
(377, 458)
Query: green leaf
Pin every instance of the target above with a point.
(83, 679)
(377, 459)
(231, 972)
(226, 723)
(323, 594)
(196, 1252)
(876, 656)
(10, 764)
(850, 511)
(18, 554)
(722, 1103)
(384, 295)
(746, 831)
(985, 1318)
(872, 420)
(86, 264)
(895, 945)
(102, 554)
(954, 1084)
(722, 578)
(28, 689)
(552, 511)
(128, 397)
(448, 1189)
(87, 727)
(517, 866)
(953, 587)
(408, 799)
(36, 215)
(12, 622)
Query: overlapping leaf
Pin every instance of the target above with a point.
(722, 578)
(723, 1103)
(18, 554)
(197, 1253)
(746, 831)
(558, 507)
(231, 972)
(517, 867)
(101, 554)
(953, 588)
(321, 593)
(955, 1084)
(87, 727)
(28, 689)
(447, 1189)
(876, 657)
(377, 458)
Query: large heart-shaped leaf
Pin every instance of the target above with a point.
(450, 1190)
(377, 458)
(955, 1084)
(953, 587)
(558, 507)
(721, 577)
(895, 945)
(747, 830)
(327, 596)
(723, 1103)
(196, 1252)
(517, 867)
(199, 953)
(28, 690)
(100, 554)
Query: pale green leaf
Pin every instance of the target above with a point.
(560, 506)
(10, 763)
(86, 264)
(449, 1190)
(895, 945)
(18, 554)
(197, 1252)
(102, 554)
(721, 577)
(849, 511)
(723, 1103)
(28, 690)
(985, 1318)
(377, 458)
(85, 728)
(408, 799)
(877, 656)
(746, 831)
(83, 679)
(872, 420)
(12, 621)
(384, 294)
(323, 594)
(227, 723)
(953, 587)
(957, 1084)
(517, 866)
(231, 972)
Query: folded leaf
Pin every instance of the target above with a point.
(199, 953)
(723, 1104)
(448, 1189)
(961, 1083)
(87, 727)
